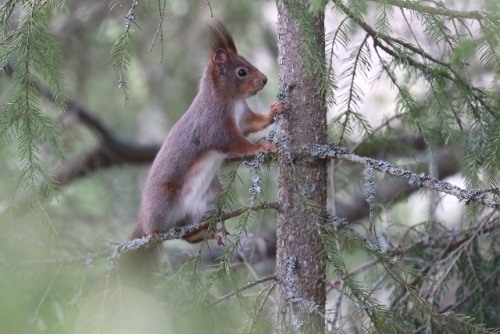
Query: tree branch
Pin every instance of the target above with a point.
(448, 240)
(179, 232)
(414, 179)
(355, 206)
(459, 303)
(246, 286)
(118, 248)
(356, 271)
(107, 155)
(111, 151)
(378, 37)
(455, 14)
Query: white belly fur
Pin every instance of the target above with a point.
(240, 107)
(199, 180)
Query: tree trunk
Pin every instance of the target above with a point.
(301, 270)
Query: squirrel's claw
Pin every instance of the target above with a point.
(278, 108)
(268, 147)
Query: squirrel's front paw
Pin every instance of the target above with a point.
(278, 108)
(268, 147)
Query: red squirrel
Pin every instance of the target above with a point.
(183, 180)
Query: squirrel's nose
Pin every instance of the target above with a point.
(260, 81)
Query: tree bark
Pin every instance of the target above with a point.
(300, 268)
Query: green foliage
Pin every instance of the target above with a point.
(454, 107)
(410, 277)
(478, 295)
(337, 239)
(350, 117)
(34, 55)
(410, 309)
(384, 12)
(121, 53)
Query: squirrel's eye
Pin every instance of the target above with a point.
(242, 72)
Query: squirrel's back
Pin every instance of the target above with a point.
(183, 182)
(183, 179)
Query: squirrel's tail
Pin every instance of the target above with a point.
(138, 266)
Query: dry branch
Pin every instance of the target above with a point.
(246, 286)
(414, 179)
(118, 248)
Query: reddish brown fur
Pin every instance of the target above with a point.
(183, 178)
(253, 122)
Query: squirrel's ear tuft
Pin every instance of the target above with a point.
(220, 38)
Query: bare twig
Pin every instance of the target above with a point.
(461, 249)
(105, 156)
(452, 307)
(44, 297)
(210, 7)
(47, 217)
(354, 272)
(246, 286)
(337, 309)
(159, 30)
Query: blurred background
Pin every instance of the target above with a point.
(39, 290)
(54, 275)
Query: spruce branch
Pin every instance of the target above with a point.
(35, 56)
(121, 53)
(6, 12)
(451, 13)
(263, 296)
(443, 69)
(446, 246)
(453, 257)
(118, 248)
(342, 38)
(414, 179)
(355, 94)
(391, 41)
(405, 98)
(491, 41)
(354, 272)
(452, 307)
(179, 232)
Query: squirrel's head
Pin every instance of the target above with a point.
(229, 70)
